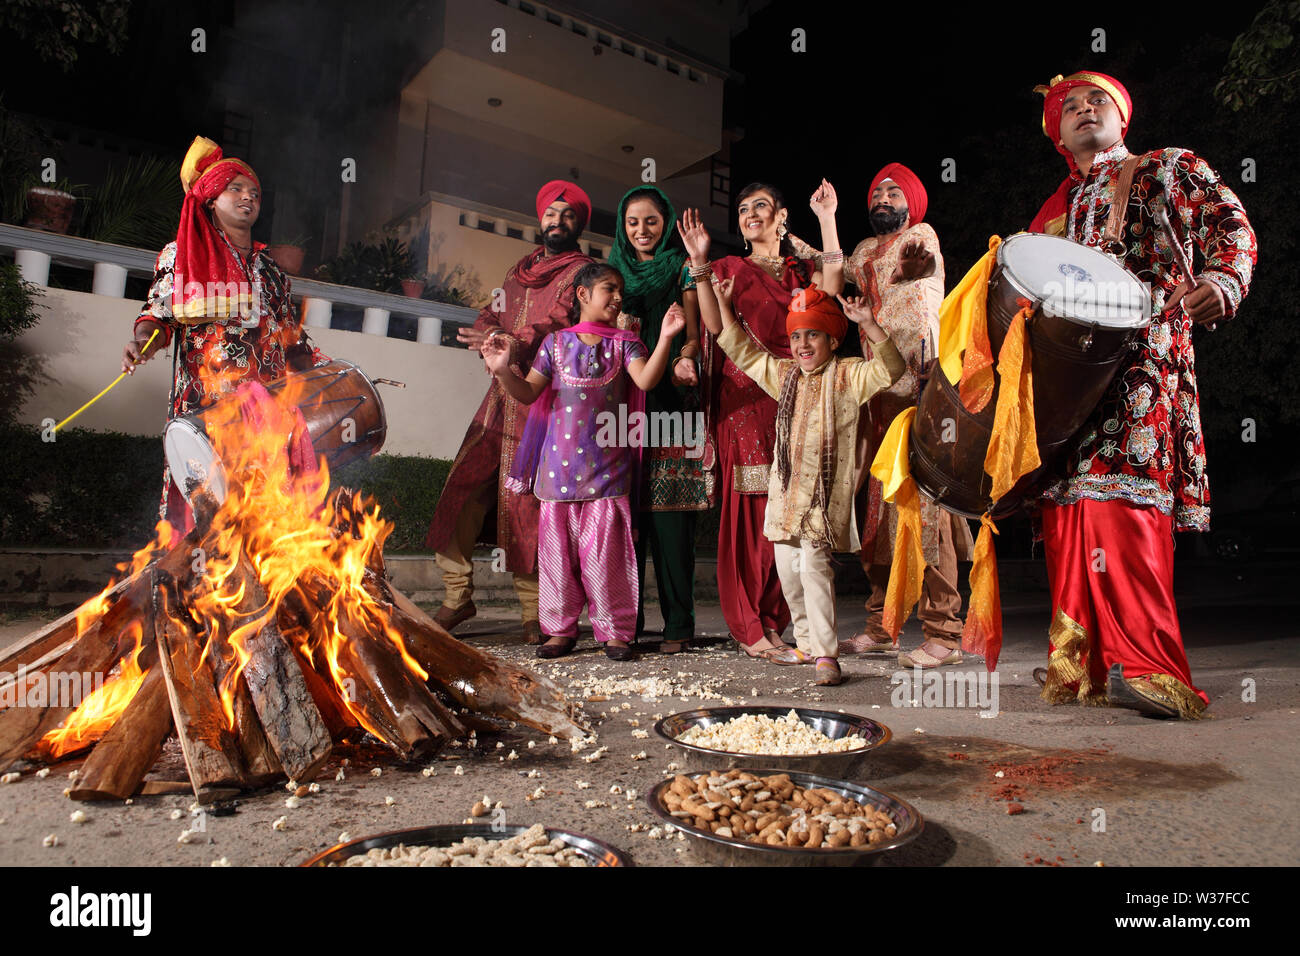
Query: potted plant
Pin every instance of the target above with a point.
(289, 253)
(51, 207)
(137, 204)
(393, 264)
(413, 286)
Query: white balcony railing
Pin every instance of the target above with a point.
(34, 252)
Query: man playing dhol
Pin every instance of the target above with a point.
(899, 272)
(1137, 473)
(538, 300)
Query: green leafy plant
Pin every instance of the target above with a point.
(137, 204)
(380, 265)
(19, 309)
(22, 147)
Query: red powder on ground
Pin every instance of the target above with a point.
(959, 756)
(1015, 808)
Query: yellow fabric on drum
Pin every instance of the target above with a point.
(963, 324)
(891, 467)
(1013, 445)
(982, 633)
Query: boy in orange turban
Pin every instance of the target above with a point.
(810, 492)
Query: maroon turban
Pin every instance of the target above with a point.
(812, 308)
(561, 190)
(909, 184)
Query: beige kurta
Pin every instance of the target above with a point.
(834, 392)
(909, 312)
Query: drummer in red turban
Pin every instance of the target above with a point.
(221, 295)
(1137, 472)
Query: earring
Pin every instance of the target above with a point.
(782, 231)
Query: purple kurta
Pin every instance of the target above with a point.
(586, 455)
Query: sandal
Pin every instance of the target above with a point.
(828, 672)
(550, 651)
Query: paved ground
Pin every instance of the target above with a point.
(1222, 790)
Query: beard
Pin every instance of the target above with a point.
(559, 239)
(885, 220)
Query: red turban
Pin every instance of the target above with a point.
(208, 281)
(812, 308)
(1060, 86)
(909, 184)
(563, 191)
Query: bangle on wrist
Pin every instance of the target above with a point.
(699, 272)
(833, 257)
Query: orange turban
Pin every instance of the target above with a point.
(1056, 91)
(813, 309)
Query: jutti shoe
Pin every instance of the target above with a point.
(616, 651)
(549, 651)
(924, 659)
(1136, 694)
(828, 672)
(864, 643)
(791, 655)
(448, 618)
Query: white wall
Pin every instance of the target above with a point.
(81, 337)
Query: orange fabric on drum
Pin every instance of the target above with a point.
(1013, 444)
(983, 631)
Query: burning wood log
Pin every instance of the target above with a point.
(124, 755)
(212, 757)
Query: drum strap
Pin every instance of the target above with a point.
(1112, 235)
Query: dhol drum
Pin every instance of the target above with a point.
(344, 414)
(1088, 313)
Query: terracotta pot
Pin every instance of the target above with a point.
(49, 209)
(412, 288)
(288, 258)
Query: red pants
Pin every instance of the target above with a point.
(749, 588)
(1110, 565)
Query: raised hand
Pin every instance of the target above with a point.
(914, 262)
(469, 336)
(723, 289)
(857, 309)
(674, 322)
(694, 236)
(684, 373)
(824, 202)
(496, 354)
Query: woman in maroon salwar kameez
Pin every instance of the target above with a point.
(743, 415)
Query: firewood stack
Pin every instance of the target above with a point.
(258, 670)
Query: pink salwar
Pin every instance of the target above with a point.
(585, 557)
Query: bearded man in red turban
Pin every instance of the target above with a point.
(538, 299)
(223, 297)
(899, 271)
(1137, 473)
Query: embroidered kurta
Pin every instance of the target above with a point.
(216, 357)
(533, 309)
(830, 396)
(587, 455)
(909, 312)
(1144, 443)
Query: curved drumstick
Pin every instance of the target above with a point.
(1160, 208)
(107, 388)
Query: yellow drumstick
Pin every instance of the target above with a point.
(107, 388)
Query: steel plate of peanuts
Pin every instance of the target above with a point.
(597, 852)
(832, 724)
(731, 851)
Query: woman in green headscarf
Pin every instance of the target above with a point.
(677, 479)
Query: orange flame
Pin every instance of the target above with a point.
(99, 710)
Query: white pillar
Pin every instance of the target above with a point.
(429, 330)
(34, 266)
(500, 226)
(375, 322)
(316, 312)
(110, 279)
(530, 233)
(471, 219)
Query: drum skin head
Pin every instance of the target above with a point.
(1074, 281)
(191, 455)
